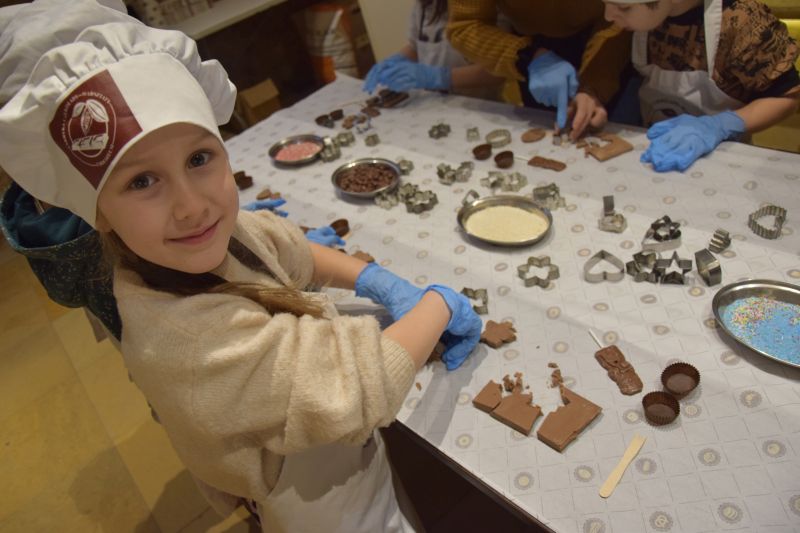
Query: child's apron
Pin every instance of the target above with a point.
(335, 489)
(668, 93)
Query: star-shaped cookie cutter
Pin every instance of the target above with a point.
(549, 196)
(708, 267)
(523, 271)
(720, 241)
(597, 277)
(673, 277)
(478, 294)
(768, 210)
(642, 267)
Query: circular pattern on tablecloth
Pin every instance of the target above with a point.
(709, 457)
(386, 262)
(794, 504)
(710, 323)
(387, 240)
(560, 347)
(697, 291)
(774, 448)
(691, 410)
(594, 525)
(361, 209)
(464, 398)
(601, 306)
(553, 312)
(500, 267)
(696, 174)
(750, 185)
(423, 235)
(611, 170)
(626, 245)
(750, 398)
(646, 466)
(632, 416)
(577, 228)
(649, 298)
(421, 280)
(792, 177)
(510, 355)
(724, 215)
(391, 221)
(460, 249)
(794, 273)
(412, 403)
(661, 521)
(584, 252)
(730, 513)
(728, 254)
(425, 216)
(729, 358)
(660, 329)
(620, 188)
(576, 177)
(523, 480)
(583, 473)
(786, 230)
(571, 207)
(516, 435)
(464, 441)
(610, 337)
(422, 254)
(669, 200)
(709, 192)
(459, 271)
(629, 208)
(503, 290)
(583, 194)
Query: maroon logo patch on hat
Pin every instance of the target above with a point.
(92, 124)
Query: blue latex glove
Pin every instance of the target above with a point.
(372, 79)
(324, 235)
(397, 295)
(463, 330)
(553, 82)
(408, 75)
(678, 142)
(270, 204)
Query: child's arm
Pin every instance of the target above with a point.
(765, 112)
(472, 76)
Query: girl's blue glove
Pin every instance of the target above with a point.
(397, 295)
(324, 235)
(270, 204)
(373, 76)
(463, 330)
(678, 142)
(407, 75)
(553, 82)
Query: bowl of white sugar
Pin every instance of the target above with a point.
(504, 220)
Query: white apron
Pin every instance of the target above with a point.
(667, 93)
(335, 489)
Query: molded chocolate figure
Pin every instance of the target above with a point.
(619, 370)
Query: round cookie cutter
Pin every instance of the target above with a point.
(295, 139)
(473, 203)
(367, 161)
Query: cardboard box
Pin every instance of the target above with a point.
(258, 102)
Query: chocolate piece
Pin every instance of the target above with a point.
(679, 379)
(615, 146)
(533, 135)
(324, 120)
(619, 370)
(513, 385)
(418, 385)
(371, 111)
(337, 114)
(341, 227)
(556, 379)
(364, 256)
(482, 151)
(267, 194)
(504, 159)
(489, 397)
(552, 365)
(496, 334)
(660, 408)
(516, 412)
(389, 98)
(243, 181)
(563, 425)
(349, 121)
(550, 164)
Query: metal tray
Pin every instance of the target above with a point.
(294, 139)
(775, 290)
(366, 161)
(472, 203)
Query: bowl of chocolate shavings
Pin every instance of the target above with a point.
(366, 178)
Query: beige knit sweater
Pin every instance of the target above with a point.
(236, 388)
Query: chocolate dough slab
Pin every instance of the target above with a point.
(619, 370)
(551, 164)
(489, 397)
(563, 425)
(516, 411)
(616, 146)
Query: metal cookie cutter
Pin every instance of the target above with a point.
(472, 134)
(478, 294)
(345, 138)
(549, 196)
(405, 165)
(708, 266)
(673, 277)
(642, 267)
(415, 200)
(611, 220)
(523, 271)
(506, 182)
(498, 138)
(363, 123)
(597, 277)
(330, 150)
(663, 235)
(464, 171)
(439, 130)
(387, 200)
(372, 139)
(720, 241)
(768, 210)
(446, 173)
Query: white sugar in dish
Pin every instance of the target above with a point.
(506, 224)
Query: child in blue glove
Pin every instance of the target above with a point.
(265, 392)
(712, 71)
(429, 62)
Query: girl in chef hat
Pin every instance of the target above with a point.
(265, 393)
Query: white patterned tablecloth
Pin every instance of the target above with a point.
(730, 462)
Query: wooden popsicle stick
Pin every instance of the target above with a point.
(616, 475)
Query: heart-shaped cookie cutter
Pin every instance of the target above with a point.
(597, 277)
(523, 271)
(768, 210)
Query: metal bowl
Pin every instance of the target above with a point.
(337, 174)
(473, 203)
(294, 139)
(774, 290)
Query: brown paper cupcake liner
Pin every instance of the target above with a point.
(679, 379)
(660, 407)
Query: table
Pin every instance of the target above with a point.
(732, 459)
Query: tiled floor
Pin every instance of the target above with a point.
(78, 448)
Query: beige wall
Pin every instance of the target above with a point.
(387, 24)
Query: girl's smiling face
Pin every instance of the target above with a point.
(172, 199)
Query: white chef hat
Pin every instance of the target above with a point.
(87, 102)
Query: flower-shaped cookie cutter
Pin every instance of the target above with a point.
(674, 277)
(345, 138)
(481, 295)
(438, 131)
(611, 220)
(597, 277)
(524, 271)
(642, 267)
(405, 165)
(662, 235)
(416, 200)
(372, 139)
(549, 196)
(512, 182)
(720, 241)
(768, 210)
(708, 267)
(473, 134)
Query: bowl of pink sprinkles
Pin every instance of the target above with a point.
(296, 151)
